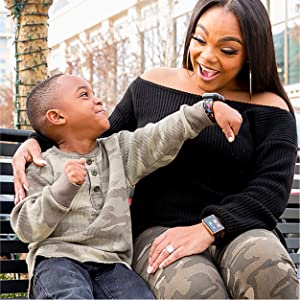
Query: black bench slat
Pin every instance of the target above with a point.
(12, 246)
(291, 213)
(9, 134)
(6, 168)
(13, 286)
(7, 188)
(6, 227)
(296, 184)
(6, 207)
(294, 199)
(13, 266)
(295, 258)
(293, 243)
(288, 227)
(6, 149)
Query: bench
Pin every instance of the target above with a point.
(12, 249)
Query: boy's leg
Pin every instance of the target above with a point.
(257, 266)
(119, 282)
(61, 278)
(193, 277)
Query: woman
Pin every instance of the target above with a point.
(242, 187)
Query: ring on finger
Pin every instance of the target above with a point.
(170, 249)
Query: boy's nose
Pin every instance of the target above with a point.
(98, 101)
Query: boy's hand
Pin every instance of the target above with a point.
(229, 119)
(76, 171)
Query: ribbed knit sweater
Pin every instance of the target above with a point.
(245, 183)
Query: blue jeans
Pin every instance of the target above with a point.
(63, 278)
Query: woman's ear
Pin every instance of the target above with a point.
(56, 117)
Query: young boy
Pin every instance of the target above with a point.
(76, 216)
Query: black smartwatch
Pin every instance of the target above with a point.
(214, 226)
(208, 102)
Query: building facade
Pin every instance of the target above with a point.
(114, 43)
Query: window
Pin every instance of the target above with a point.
(285, 18)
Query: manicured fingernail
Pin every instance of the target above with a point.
(230, 139)
(41, 161)
(149, 270)
(161, 266)
(25, 187)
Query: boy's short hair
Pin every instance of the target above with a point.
(40, 100)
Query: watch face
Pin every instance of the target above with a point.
(213, 224)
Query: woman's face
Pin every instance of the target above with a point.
(217, 51)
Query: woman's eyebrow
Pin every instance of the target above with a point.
(230, 38)
(223, 39)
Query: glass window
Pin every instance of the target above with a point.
(278, 37)
(2, 24)
(293, 8)
(151, 48)
(294, 51)
(181, 25)
(277, 11)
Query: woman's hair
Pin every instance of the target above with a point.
(258, 42)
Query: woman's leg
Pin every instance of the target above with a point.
(193, 277)
(255, 265)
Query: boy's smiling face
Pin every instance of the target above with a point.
(82, 110)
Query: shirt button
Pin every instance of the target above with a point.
(89, 161)
(97, 188)
(94, 172)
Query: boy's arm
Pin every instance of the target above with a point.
(156, 145)
(47, 202)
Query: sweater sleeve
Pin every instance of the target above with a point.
(156, 145)
(261, 202)
(47, 202)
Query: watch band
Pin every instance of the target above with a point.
(208, 103)
(214, 226)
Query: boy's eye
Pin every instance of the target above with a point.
(198, 38)
(84, 94)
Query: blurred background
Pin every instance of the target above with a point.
(110, 42)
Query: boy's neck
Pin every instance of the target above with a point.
(77, 146)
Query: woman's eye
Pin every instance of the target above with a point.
(229, 51)
(198, 39)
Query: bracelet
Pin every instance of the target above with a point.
(208, 102)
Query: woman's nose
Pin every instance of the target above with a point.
(208, 54)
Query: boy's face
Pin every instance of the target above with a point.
(83, 111)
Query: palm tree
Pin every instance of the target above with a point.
(31, 49)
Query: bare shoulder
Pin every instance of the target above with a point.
(159, 75)
(270, 99)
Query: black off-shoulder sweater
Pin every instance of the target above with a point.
(245, 183)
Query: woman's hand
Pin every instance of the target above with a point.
(185, 241)
(29, 151)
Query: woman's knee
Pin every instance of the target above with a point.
(256, 265)
(193, 277)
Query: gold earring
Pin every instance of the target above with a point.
(250, 84)
(187, 62)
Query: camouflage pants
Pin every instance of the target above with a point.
(253, 266)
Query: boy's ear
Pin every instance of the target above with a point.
(56, 117)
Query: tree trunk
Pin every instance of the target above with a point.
(31, 50)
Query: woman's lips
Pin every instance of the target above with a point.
(206, 73)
